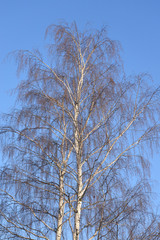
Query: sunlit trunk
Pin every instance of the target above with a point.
(79, 178)
(79, 206)
(61, 209)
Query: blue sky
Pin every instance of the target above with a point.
(135, 23)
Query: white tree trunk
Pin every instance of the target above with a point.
(79, 205)
(61, 209)
(79, 177)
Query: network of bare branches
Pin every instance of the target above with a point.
(77, 146)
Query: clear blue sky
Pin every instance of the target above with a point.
(135, 23)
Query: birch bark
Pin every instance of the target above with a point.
(61, 208)
(79, 176)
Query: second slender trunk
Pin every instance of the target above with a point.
(61, 209)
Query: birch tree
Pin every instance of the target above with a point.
(77, 145)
